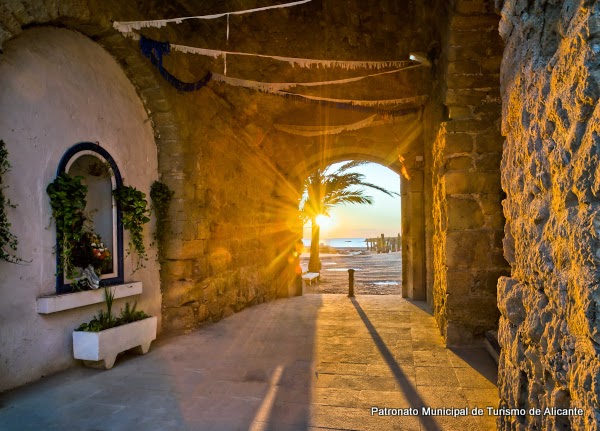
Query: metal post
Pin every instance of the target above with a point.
(351, 283)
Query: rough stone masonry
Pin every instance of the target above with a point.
(466, 210)
(550, 306)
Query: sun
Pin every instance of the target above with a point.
(324, 221)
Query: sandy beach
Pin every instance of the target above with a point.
(376, 274)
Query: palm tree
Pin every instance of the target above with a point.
(323, 191)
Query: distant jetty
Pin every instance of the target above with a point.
(384, 244)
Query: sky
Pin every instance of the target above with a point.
(366, 221)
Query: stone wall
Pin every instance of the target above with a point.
(234, 216)
(466, 181)
(550, 323)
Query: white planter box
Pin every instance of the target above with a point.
(100, 349)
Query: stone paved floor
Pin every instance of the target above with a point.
(317, 362)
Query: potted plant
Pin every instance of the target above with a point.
(99, 341)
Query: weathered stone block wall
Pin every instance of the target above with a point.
(550, 323)
(468, 223)
(231, 233)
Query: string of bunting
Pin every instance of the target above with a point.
(295, 61)
(272, 87)
(416, 100)
(324, 130)
(129, 26)
(155, 50)
(311, 131)
(300, 62)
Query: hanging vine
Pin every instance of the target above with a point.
(67, 199)
(134, 207)
(8, 241)
(161, 197)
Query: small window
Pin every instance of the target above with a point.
(101, 176)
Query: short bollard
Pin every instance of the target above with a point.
(350, 283)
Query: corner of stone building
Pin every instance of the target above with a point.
(467, 212)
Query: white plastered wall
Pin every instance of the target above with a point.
(58, 88)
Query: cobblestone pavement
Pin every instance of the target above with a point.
(376, 274)
(317, 362)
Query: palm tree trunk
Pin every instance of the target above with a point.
(314, 263)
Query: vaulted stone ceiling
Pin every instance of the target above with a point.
(324, 29)
(320, 29)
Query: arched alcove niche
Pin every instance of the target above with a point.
(101, 175)
(61, 93)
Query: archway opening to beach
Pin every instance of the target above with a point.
(365, 237)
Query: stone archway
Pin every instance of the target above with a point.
(222, 129)
(386, 145)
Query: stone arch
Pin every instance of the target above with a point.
(470, 91)
(383, 145)
(412, 204)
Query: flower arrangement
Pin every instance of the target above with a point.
(93, 257)
(91, 251)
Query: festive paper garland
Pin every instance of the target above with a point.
(324, 130)
(300, 62)
(415, 100)
(271, 87)
(310, 131)
(155, 50)
(129, 26)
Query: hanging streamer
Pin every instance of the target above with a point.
(225, 55)
(128, 26)
(155, 51)
(275, 88)
(310, 131)
(272, 87)
(303, 62)
(416, 100)
(355, 105)
(326, 130)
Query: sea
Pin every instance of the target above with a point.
(354, 243)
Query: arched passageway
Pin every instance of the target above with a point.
(359, 227)
(236, 174)
(412, 192)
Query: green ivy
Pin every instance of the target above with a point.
(161, 197)
(134, 208)
(8, 241)
(67, 199)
